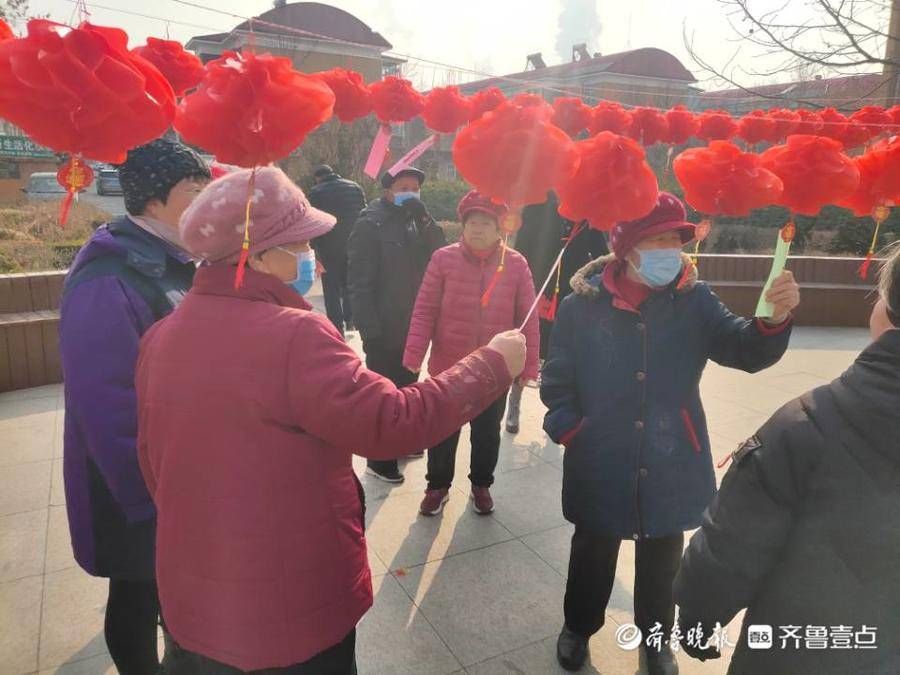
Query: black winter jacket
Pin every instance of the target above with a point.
(343, 199)
(388, 253)
(805, 530)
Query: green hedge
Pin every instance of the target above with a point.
(442, 197)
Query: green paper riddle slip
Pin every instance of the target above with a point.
(764, 309)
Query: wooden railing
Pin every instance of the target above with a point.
(832, 295)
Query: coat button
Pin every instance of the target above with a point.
(636, 536)
(643, 473)
(641, 326)
(641, 376)
(639, 425)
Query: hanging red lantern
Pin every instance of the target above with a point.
(683, 124)
(721, 180)
(874, 118)
(395, 100)
(815, 172)
(610, 116)
(515, 154)
(446, 110)
(757, 127)
(810, 122)
(6, 32)
(879, 179)
(716, 125)
(786, 122)
(484, 101)
(80, 91)
(352, 98)
(182, 69)
(613, 183)
(834, 124)
(75, 176)
(648, 126)
(571, 115)
(894, 112)
(253, 109)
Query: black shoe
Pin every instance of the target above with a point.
(661, 662)
(512, 428)
(389, 476)
(571, 650)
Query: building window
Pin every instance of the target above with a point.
(9, 170)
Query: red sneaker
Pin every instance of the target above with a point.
(483, 503)
(434, 501)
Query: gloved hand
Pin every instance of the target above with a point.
(698, 648)
(416, 209)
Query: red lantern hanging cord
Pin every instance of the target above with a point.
(879, 215)
(245, 246)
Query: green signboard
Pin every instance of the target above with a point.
(22, 146)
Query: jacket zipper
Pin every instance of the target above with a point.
(691, 430)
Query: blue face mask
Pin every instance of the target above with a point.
(306, 271)
(400, 197)
(659, 266)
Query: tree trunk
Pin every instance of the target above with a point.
(892, 55)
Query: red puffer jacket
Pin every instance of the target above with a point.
(449, 313)
(250, 407)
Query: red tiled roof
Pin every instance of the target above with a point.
(837, 89)
(646, 62)
(315, 17)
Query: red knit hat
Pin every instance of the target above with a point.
(475, 201)
(666, 216)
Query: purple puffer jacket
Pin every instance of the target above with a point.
(449, 312)
(122, 281)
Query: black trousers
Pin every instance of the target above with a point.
(389, 363)
(132, 617)
(485, 451)
(592, 572)
(337, 660)
(337, 293)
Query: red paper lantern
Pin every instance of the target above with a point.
(757, 127)
(683, 124)
(613, 183)
(786, 122)
(484, 101)
(571, 115)
(182, 69)
(6, 32)
(834, 124)
(352, 98)
(815, 172)
(649, 126)
(515, 154)
(446, 110)
(874, 118)
(721, 180)
(716, 125)
(879, 179)
(75, 176)
(253, 109)
(810, 122)
(395, 100)
(81, 91)
(895, 117)
(610, 116)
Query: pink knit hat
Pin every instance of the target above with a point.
(212, 227)
(667, 215)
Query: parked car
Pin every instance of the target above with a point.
(43, 186)
(108, 182)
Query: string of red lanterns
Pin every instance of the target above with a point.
(81, 91)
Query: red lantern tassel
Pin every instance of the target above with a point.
(65, 208)
(245, 247)
(863, 270)
(486, 298)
